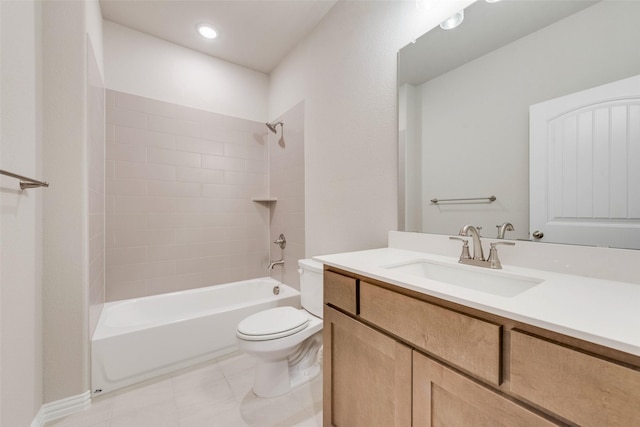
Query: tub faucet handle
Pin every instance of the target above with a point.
(281, 241)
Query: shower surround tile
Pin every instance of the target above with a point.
(178, 187)
(287, 183)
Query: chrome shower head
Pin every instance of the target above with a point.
(272, 126)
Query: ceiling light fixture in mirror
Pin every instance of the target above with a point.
(453, 21)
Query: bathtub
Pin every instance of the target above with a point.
(145, 337)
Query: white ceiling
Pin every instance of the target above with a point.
(256, 34)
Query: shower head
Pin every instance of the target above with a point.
(272, 126)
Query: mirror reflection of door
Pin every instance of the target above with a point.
(585, 166)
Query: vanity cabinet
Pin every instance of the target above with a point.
(341, 292)
(395, 357)
(370, 375)
(428, 327)
(580, 387)
(443, 397)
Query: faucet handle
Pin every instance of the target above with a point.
(465, 247)
(493, 260)
(281, 241)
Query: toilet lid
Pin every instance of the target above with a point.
(273, 323)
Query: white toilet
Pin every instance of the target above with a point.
(286, 341)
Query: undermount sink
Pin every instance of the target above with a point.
(484, 280)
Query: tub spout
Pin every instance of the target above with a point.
(274, 263)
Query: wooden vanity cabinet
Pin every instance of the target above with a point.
(341, 291)
(476, 345)
(395, 358)
(367, 375)
(443, 397)
(580, 387)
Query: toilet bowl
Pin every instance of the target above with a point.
(286, 341)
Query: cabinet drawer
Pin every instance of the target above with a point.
(464, 341)
(340, 291)
(581, 388)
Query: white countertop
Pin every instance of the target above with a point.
(600, 311)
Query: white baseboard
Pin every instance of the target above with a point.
(61, 408)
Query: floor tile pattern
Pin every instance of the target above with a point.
(215, 394)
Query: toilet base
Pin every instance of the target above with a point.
(275, 378)
(272, 380)
(304, 376)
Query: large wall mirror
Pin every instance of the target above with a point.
(464, 106)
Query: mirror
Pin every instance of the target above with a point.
(464, 97)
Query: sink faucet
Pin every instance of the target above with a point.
(502, 229)
(274, 263)
(478, 256)
(470, 230)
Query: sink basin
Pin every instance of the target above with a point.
(493, 282)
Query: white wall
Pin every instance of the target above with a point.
(65, 223)
(345, 71)
(20, 215)
(410, 150)
(171, 73)
(93, 22)
(43, 292)
(65, 26)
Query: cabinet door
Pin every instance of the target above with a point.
(443, 397)
(367, 375)
(584, 389)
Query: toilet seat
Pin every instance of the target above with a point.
(272, 324)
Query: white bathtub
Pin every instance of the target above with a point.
(142, 338)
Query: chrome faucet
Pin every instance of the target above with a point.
(274, 263)
(470, 230)
(502, 229)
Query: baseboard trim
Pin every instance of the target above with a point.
(61, 408)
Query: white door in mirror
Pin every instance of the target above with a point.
(584, 178)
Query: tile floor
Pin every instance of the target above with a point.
(209, 395)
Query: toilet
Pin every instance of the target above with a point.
(286, 341)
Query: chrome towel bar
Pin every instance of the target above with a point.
(24, 181)
(489, 199)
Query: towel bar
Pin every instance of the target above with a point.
(490, 199)
(24, 181)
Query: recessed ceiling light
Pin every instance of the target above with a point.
(207, 31)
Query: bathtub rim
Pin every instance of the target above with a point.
(103, 331)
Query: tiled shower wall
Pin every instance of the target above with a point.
(179, 184)
(287, 182)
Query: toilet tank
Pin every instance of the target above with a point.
(311, 286)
